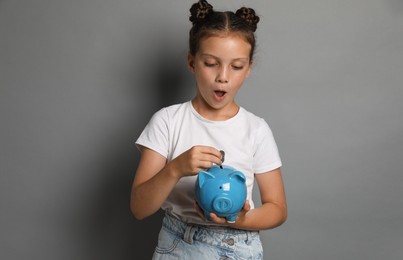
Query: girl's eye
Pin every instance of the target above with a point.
(210, 64)
(237, 67)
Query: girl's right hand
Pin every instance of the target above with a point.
(195, 159)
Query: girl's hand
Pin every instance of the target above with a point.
(195, 159)
(242, 214)
(216, 219)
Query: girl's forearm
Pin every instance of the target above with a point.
(268, 216)
(148, 197)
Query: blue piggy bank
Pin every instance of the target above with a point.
(221, 190)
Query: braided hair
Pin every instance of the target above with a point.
(208, 22)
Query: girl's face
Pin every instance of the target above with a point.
(220, 67)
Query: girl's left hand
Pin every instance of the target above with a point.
(219, 220)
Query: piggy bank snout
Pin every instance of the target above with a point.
(222, 204)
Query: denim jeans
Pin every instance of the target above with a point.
(178, 240)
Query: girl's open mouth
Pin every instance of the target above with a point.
(220, 93)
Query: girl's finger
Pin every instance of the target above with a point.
(210, 150)
(217, 219)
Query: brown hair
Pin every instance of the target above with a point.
(207, 22)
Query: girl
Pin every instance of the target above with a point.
(182, 139)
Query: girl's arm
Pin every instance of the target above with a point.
(273, 211)
(155, 179)
(152, 184)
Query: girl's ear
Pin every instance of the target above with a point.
(191, 62)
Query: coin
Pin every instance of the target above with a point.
(222, 157)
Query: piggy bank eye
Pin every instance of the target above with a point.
(220, 187)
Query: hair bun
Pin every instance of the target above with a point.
(199, 11)
(249, 15)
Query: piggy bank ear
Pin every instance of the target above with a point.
(203, 177)
(238, 175)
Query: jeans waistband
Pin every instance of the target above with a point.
(215, 235)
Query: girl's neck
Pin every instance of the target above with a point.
(213, 114)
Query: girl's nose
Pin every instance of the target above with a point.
(222, 76)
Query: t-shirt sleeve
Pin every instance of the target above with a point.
(155, 135)
(266, 157)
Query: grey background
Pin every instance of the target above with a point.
(80, 79)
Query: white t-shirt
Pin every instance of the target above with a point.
(246, 139)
